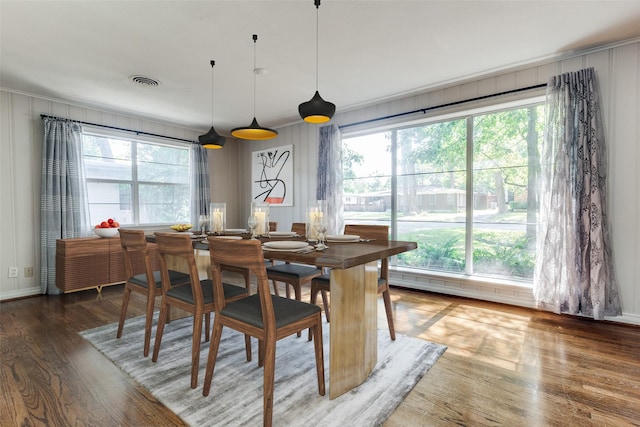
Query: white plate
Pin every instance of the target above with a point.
(343, 238)
(229, 237)
(235, 230)
(282, 233)
(285, 244)
(304, 248)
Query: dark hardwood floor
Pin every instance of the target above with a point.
(504, 366)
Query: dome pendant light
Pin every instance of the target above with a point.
(317, 110)
(212, 139)
(254, 131)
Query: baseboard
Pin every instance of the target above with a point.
(20, 293)
(520, 295)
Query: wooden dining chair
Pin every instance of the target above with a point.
(322, 283)
(293, 275)
(263, 315)
(135, 252)
(196, 297)
(244, 272)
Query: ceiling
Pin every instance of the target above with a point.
(85, 52)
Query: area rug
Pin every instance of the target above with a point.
(236, 390)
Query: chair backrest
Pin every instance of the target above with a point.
(273, 226)
(178, 245)
(375, 232)
(246, 254)
(134, 248)
(300, 228)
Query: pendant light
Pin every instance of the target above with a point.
(212, 139)
(254, 131)
(317, 110)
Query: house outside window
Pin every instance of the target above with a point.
(136, 182)
(464, 188)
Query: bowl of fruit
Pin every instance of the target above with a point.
(108, 228)
(181, 227)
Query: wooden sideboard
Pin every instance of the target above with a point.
(94, 262)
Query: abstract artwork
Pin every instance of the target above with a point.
(272, 176)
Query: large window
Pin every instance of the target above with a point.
(463, 188)
(136, 182)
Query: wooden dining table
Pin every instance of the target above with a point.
(354, 302)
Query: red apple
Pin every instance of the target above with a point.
(104, 224)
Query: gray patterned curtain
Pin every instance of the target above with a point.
(64, 209)
(200, 192)
(329, 186)
(574, 268)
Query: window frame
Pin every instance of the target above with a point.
(135, 183)
(460, 113)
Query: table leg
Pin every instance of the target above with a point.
(354, 336)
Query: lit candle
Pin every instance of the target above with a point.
(218, 220)
(261, 219)
(315, 216)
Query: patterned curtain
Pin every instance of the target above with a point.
(574, 268)
(200, 193)
(329, 185)
(64, 208)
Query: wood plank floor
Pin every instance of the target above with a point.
(505, 366)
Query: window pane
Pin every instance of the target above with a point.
(164, 203)
(110, 200)
(106, 158)
(367, 178)
(431, 195)
(158, 163)
(505, 204)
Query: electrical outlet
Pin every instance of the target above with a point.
(28, 272)
(13, 272)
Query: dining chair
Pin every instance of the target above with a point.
(263, 315)
(244, 272)
(293, 275)
(135, 252)
(322, 283)
(196, 297)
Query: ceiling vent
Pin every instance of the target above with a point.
(145, 81)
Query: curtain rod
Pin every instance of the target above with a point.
(449, 104)
(137, 132)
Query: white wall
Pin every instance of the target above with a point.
(618, 70)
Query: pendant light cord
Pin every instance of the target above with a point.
(317, 3)
(255, 39)
(212, 64)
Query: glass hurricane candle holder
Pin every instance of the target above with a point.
(261, 213)
(218, 217)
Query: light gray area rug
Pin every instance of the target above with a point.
(236, 390)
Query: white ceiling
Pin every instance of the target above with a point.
(85, 51)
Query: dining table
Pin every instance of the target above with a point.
(353, 269)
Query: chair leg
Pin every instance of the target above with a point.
(148, 322)
(325, 303)
(123, 310)
(207, 330)
(269, 372)
(386, 297)
(275, 288)
(260, 353)
(164, 308)
(195, 347)
(247, 346)
(317, 342)
(297, 289)
(213, 355)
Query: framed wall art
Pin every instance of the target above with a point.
(272, 176)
